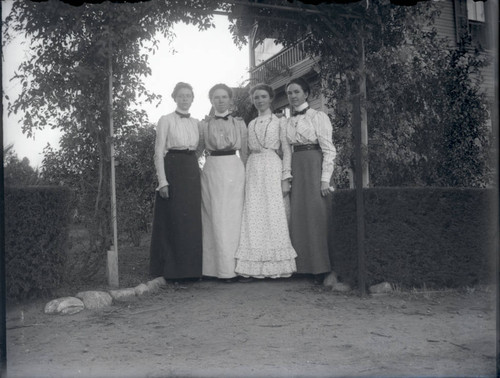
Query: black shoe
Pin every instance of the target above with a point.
(245, 279)
(318, 279)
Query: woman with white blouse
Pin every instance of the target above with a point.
(309, 132)
(176, 242)
(222, 184)
(265, 249)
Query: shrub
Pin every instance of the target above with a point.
(18, 171)
(36, 229)
(135, 183)
(438, 237)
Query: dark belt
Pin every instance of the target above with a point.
(186, 151)
(222, 153)
(306, 147)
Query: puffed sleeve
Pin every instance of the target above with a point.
(160, 143)
(286, 171)
(244, 141)
(324, 132)
(201, 142)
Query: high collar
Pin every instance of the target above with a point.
(301, 107)
(221, 114)
(181, 111)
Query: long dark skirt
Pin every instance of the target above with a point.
(176, 244)
(310, 214)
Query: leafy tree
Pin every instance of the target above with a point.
(426, 113)
(242, 104)
(65, 83)
(18, 172)
(432, 130)
(135, 173)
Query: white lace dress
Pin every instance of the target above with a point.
(265, 249)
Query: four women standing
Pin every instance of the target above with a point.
(245, 229)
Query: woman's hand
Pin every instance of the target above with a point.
(286, 186)
(325, 188)
(164, 192)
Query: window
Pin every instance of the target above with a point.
(470, 23)
(476, 23)
(475, 11)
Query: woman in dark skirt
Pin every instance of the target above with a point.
(176, 244)
(310, 133)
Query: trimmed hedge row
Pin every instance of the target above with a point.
(437, 237)
(36, 232)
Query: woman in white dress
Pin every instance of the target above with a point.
(265, 249)
(222, 185)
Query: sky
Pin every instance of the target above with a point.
(202, 59)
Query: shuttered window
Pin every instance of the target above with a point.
(470, 23)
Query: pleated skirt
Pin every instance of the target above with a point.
(176, 241)
(310, 214)
(222, 191)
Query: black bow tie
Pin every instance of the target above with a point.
(296, 113)
(225, 118)
(183, 115)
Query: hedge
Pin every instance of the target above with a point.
(415, 237)
(36, 232)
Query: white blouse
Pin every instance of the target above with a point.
(267, 132)
(314, 127)
(224, 135)
(173, 133)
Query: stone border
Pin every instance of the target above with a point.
(98, 299)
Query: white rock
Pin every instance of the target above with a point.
(383, 287)
(156, 284)
(95, 299)
(160, 281)
(141, 289)
(330, 280)
(341, 287)
(153, 287)
(122, 294)
(64, 305)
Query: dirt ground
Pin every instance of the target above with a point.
(266, 328)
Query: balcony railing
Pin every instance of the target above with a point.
(278, 64)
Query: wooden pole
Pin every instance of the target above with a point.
(251, 44)
(3, 291)
(113, 252)
(358, 182)
(492, 13)
(364, 118)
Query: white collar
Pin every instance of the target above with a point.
(221, 114)
(301, 107)
(181, 111)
